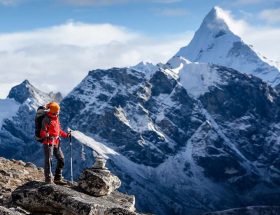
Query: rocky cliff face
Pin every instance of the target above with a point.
(215, 135)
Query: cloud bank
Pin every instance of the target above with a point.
(59, 57)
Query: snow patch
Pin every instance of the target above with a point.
(98, 147)
(120, 114)
(8, 109)
(137, 171)
(151, 127)
(196, 78)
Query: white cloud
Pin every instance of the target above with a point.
(58, 58)
(171, 12)
(271, 15)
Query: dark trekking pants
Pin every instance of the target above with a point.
(50, 150)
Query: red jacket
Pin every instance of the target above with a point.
(51, 126)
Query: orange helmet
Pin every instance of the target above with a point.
(54, 107)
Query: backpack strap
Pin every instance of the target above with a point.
(46, 120)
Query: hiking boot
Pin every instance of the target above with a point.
(60, 182)
(49, 181)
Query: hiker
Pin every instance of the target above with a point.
(50, 133)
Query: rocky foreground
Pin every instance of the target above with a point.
(13, 174)
(23, 192)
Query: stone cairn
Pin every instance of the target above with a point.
(98, 180)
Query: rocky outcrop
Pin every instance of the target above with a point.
(98, 182)
(15, 173)
(39, 197)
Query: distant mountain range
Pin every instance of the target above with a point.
(197, 134)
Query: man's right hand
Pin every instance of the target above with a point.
(47, 135)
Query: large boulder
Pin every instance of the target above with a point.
(98, 182)
(39, 197)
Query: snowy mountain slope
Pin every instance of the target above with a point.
(8, 108)
(17, 127)
(169, 143)
(125, 99)
(251, 210)
(214, 42)
(142, 178)
(196, 78)
(188, 134)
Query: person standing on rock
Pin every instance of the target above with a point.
(51, 133)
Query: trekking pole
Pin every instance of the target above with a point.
(71, 160)
(50, 149)
(51, 154)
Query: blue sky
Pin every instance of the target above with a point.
(61, 40)
(150, 16)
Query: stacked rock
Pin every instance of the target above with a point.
(98, 180)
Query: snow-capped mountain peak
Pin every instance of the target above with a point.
(26, 91)
(22, 92)
(213, 28)
(214, 42)
(216, 19)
